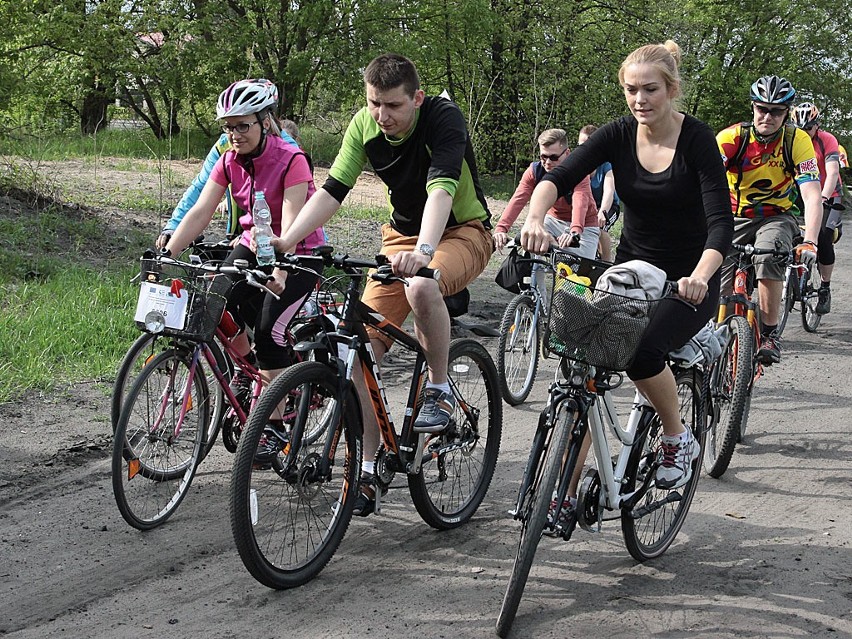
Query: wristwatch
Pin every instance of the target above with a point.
(426, 249)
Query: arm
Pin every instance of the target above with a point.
(581, 200)
(608, 196)
(192, 193)
(197, 218)
(832, 174)
(517, 202)
(534, 237)
(316, 212)
(812, 198)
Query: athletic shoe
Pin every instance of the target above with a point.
(770, 349)
(241, 387)
(272, 441)
(676, 456)
(564, 519)
(434, 416)
(823, 306)
(365, 503)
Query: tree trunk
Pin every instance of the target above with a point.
(93, 113)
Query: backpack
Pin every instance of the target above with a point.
(736, 161)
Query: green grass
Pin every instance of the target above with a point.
(140, 144)
(73, 325)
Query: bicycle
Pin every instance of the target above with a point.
(580, 403)
(148, 345)
(162, 431)
(733, 376)
(520, 346)
(289, 520)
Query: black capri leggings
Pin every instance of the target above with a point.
(269, 317)
(672, 326)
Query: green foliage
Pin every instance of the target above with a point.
(515, 67)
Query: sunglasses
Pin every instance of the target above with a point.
(241, 128)
(775, 113)
(553, 158)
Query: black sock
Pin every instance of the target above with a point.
(825, 285)
(767, 330)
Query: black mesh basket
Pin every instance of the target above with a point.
(208, 294)
(590, 325)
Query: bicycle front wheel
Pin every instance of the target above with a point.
(652, 524)
(142, 351)
(810, 299)
(457, 465)
(518, 349)
(534, 516)
(159, 439)
(289, 516)
(731, 377)
(788, 296)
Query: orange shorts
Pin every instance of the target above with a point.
(461, 256)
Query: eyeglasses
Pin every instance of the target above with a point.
(241, 128)
(553, 158)
(775, 113)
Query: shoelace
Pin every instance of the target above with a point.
(670, 452)
(431, 406)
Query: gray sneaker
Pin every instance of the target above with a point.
(434, 415)
(676, 457)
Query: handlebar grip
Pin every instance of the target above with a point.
(431, 273)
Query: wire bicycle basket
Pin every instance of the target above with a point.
(181, 300)
(590, 325)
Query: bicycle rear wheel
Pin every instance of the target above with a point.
(153, 464)
(289, 519)
(730, 380)
(518, 349)
(142, 351)
(534, 516)
(458, 465)
(810, 298)
(652, 524)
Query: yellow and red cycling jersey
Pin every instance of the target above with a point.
(766, 188)
(844, 159)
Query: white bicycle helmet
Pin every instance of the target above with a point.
(772, 89)
(805, 115)
(246, 97)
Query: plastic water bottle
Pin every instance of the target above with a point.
(262, 218)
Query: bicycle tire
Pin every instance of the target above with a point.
(457, 466)
(810, 299)
(518, 349)
(152, 469)
(730, 384)
(650, 535)
(287, 521)
(535, 516)
(143, 350)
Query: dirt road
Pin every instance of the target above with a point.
(765, 552)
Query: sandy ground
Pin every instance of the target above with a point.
(765, 551)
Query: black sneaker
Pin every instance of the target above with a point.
(241, 387)
(434, 415)
(365, 503)
(770, 349)
(272, 441)
(823, 306)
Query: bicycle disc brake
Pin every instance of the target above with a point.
(588, 502)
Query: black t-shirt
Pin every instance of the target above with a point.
(670, 217)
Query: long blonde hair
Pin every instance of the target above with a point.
(664, 57)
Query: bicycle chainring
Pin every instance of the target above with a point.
(383, 473)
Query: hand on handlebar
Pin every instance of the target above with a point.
(500, 240)
(535, 238)
(805, 252)
(407, 263)
(571, 239)
(163, 239)
(692, 289)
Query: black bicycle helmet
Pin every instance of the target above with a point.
(772, 89)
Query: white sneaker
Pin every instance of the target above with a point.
(676, 455)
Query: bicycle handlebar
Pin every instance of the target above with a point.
(750, 249)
